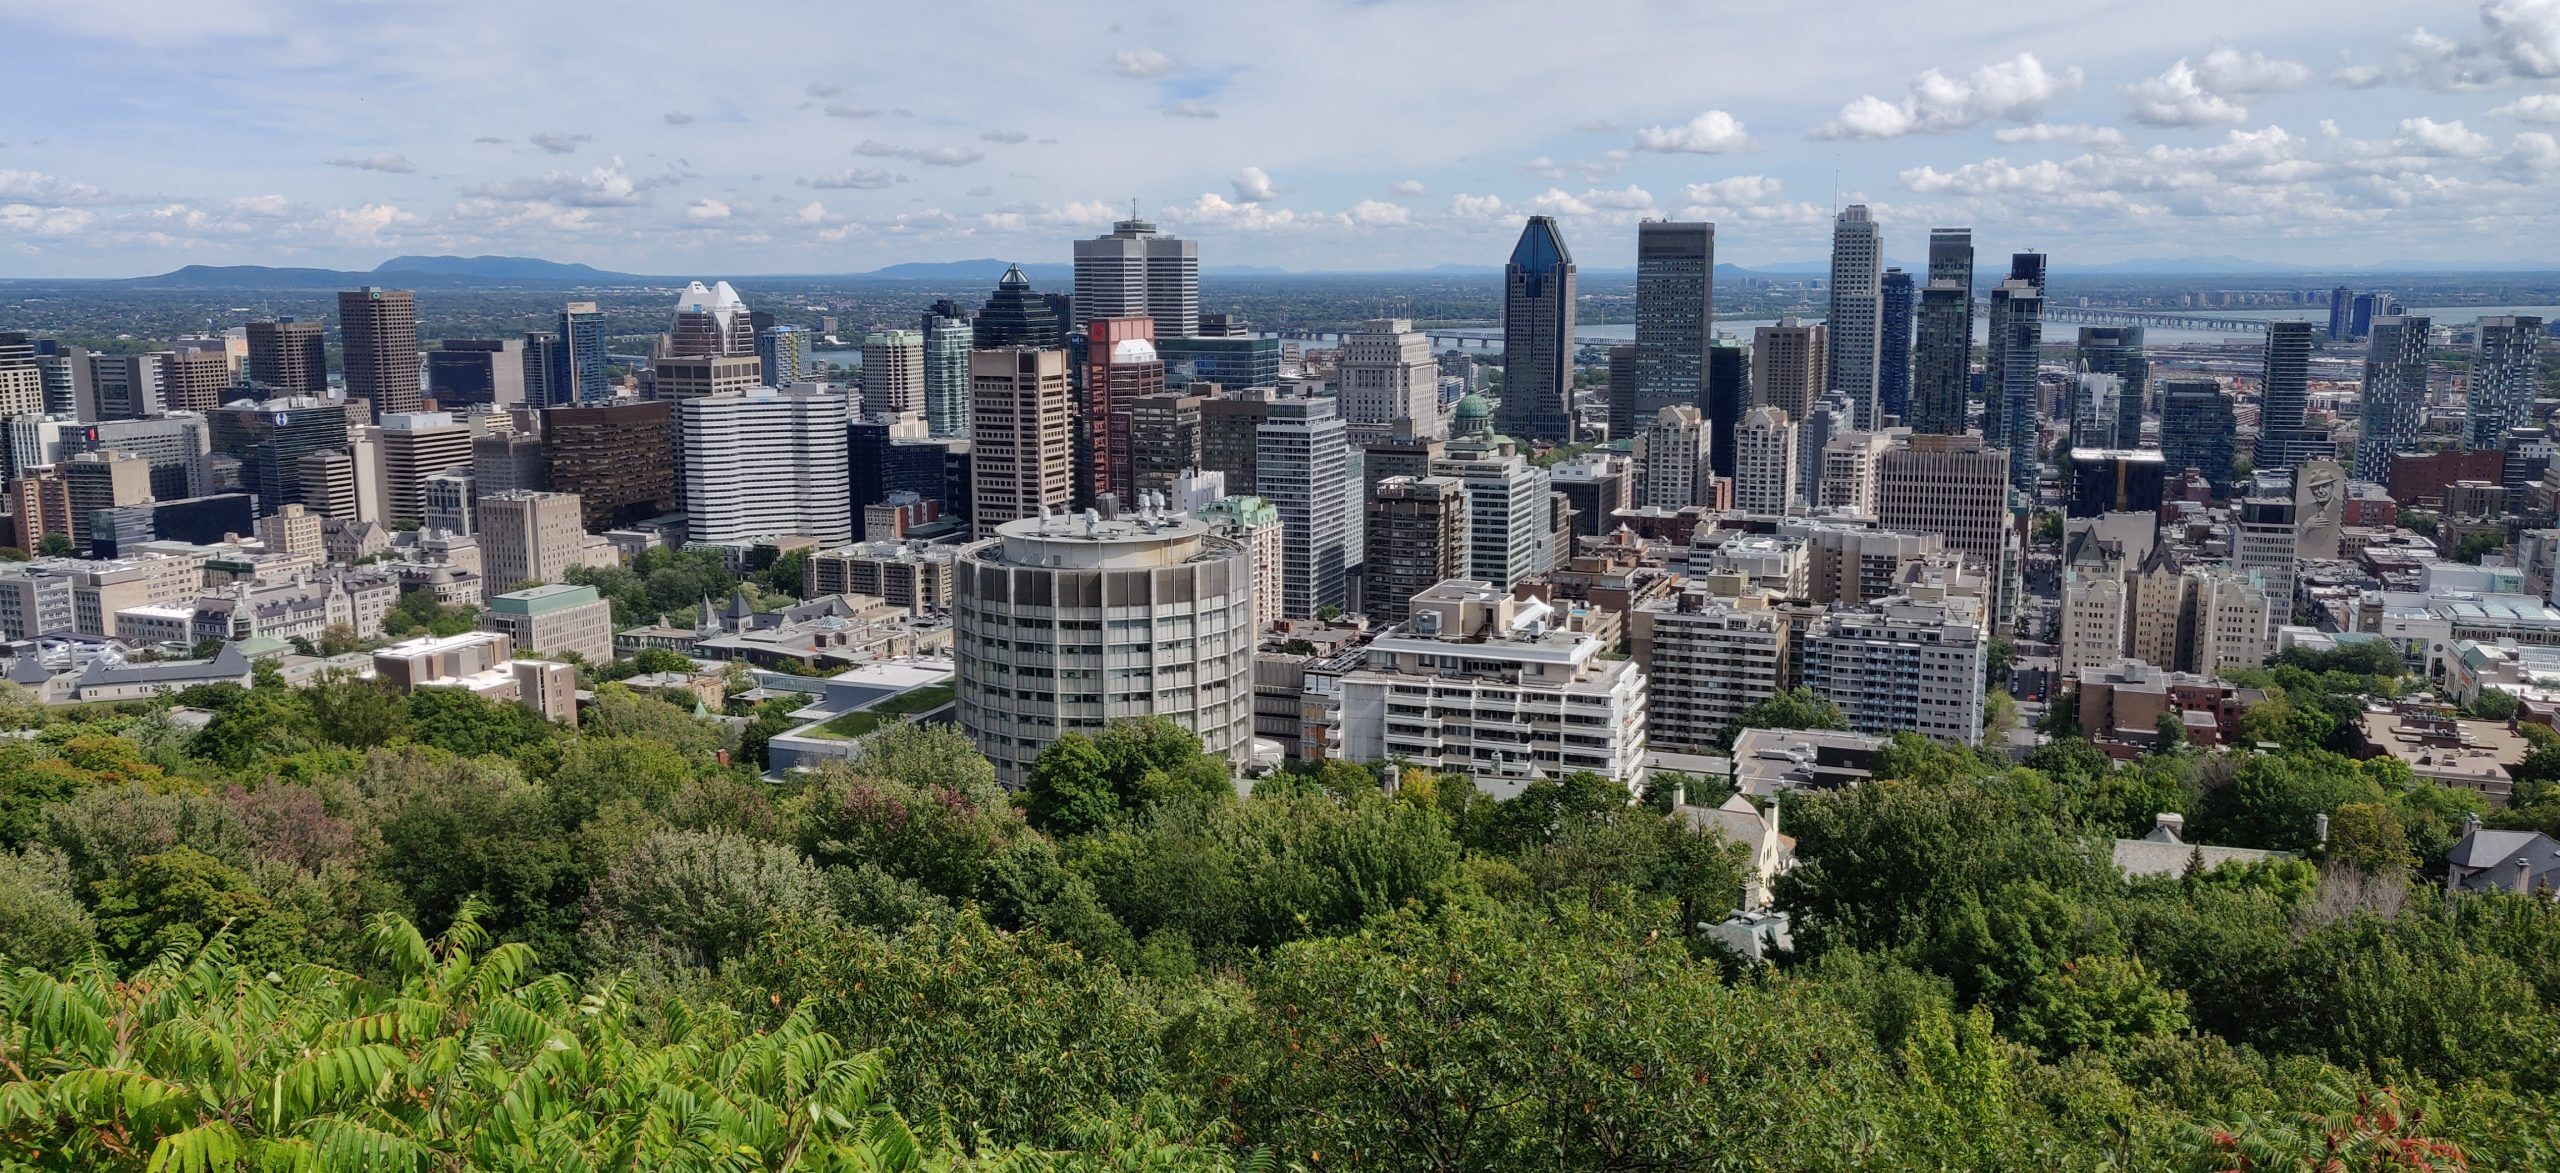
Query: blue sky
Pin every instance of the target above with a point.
(808, 137)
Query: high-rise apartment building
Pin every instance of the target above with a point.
(2013, 421)
(2505, 377)
(1677, 473)
(1509, 535)
(1163, 609)
(1016, 315)
(2197, 429)
(1537, 335)
(1675, 321)
(580, 369)
(783, 352)
(2118, 351)
(1893, 347)
(2395, 393)
(2339, 306)
(1385, 373)
(379, 330)
(414, 447)
(1942, 356)
(175, 446)
(288, 357)
(293, 530)
(1955, 486)
(1728, 396)
(528, 537)
(1021, 434)
(503, 462)
(1908, 664)
(1764, 462)
(1707, 658)
(1417, 539)
(1855, 324)
(892, 373)
(1787, 366)
(1120, 366)
(465, 372)
(711, 321)
(22, 380)
(2284, 438)
(1302, 462)
(1134, 273)
(764, 463)
(1229, 423)
(193, 379)
(1255, 524)
(948, 338)
(619, 459)
(1831, 415)
(1849, 462)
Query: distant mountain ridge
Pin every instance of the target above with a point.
(501, 268)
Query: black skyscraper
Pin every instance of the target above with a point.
(1893, 349)
(2118, 351)
(1016, 316)
(1537, 336)
(1728, 396)
(1942, 363)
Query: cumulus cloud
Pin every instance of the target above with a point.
(1074, 214)
(30, 220)
(1543, 167)
(2525, 34)
(1473, 207)
(40, 187)
(2016, 90)
(2178, 98)
(812, 212)
(1252, 185)
(929, 156)
(1377, 213)
(601, 187)
(1757, 198)
(390, 161)
(1141, 63)
(1630, 197)
(1407, 187)
(707, 209)
(860, 178)
(2075, 134)
(2542, 108)
(1713, 132)
(1004, 136)
(1217, 211)
(1190, 108)
(677, 118)
(2445, 140)
(2205, 92)
(364, 224)
(560, 142)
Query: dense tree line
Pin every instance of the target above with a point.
(339, 926)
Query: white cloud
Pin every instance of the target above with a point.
(812, 212)
(1217, 211)
(1407, 187)
(1713, 132)
(1253, 185)
(2428, 137)
(2177, 97)
(1473, 207)
(1074, 214)
(677, 118)
(30, 220)
(1632, 197)
(1543, 167)
(2542, 108)
(2360, 77)
(707, 209)
(2526, 34)
(1190, 108)
(2229, 71)
(1004, 136)
(859, 178)
(929, 156)
(391, 161)
(1756, 198)
(560, 142)
(601, 187)
(364, 224)
(2016, 90)
(1141, 63)
(2076, 134)
(1378, 213)
(38, 186)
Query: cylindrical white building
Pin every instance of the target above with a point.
(1063, 625)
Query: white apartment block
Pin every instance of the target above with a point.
(1676, 466)
(1484, 683)
(1913, 662)
(1705, 660)
(765, 463)
(1386, 372)
(1764, 462)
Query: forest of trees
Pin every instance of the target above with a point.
(342, 928)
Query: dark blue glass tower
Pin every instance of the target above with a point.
(1893, 349)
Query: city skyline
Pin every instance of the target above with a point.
(333, 138)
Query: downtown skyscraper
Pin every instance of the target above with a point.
(2504, 376)
(2012, 423)
(1856, 319)
(1537, 336)
(1941, 364)
(1134, 273)
(380, 330)
(2118, 351)
(2285, 438)
(1675, 321)
(1893, 349)
(2395, 393)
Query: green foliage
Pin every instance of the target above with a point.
(2495, 704)
(1080, 785)
(55, 545)
(660, 581)
(42, 923)
(2098, 1003)
(1796, 708)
